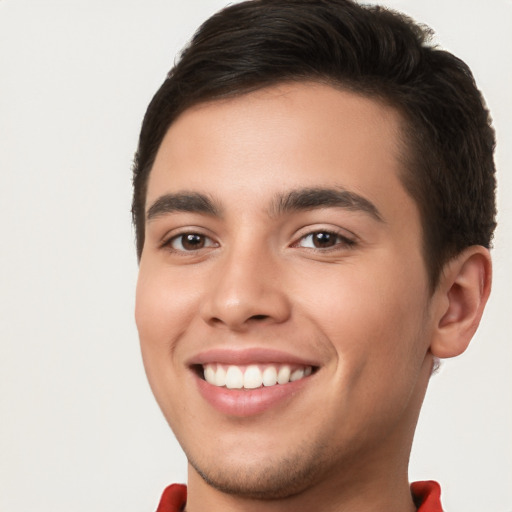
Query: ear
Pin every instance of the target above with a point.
(461, 295)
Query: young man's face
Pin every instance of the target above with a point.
(280, 239)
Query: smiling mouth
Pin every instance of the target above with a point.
(252, 376)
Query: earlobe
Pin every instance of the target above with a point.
(462, 293)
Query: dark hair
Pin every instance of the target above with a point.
(447, 139)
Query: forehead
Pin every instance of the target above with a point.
(285, 136)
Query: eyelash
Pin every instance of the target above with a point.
(340, 240)
(168, 244)
(207, 242)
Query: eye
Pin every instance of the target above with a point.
(187, 242)
(323, 240)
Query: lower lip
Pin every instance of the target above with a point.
(248, 402)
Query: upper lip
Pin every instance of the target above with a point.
(237, 356)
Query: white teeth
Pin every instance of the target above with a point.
(270, 376)
(234, 378)
(283, 376)
(220, 376)
(252, 376)
(209, 374)
(296, 375)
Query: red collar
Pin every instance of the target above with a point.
(427, 496)
(173, 499)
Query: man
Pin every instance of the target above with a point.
(314, 206)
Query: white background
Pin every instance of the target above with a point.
(79, 429)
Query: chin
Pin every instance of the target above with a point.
(271, 479)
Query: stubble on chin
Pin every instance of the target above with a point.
(273, 479)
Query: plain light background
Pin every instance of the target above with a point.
(79, 429)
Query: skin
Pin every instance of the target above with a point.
(359, 306)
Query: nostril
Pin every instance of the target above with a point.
(258, 317)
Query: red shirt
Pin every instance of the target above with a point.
(426, 495)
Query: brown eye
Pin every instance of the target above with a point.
(190, 242)
(324, 240)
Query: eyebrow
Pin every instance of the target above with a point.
(182, 202)
(314, 198)
(296, 200)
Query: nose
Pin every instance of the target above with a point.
(247, 289)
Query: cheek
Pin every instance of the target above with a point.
(162, 309)
(160, 317)
(370, 316)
